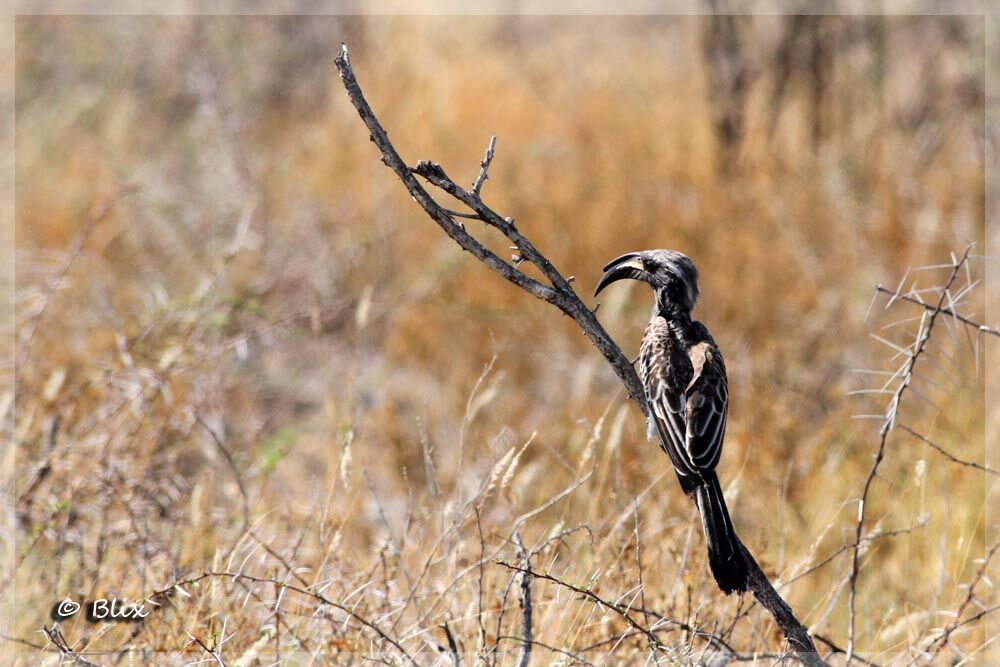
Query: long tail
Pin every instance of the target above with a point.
(724, 554)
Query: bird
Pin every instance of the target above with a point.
(687, 396)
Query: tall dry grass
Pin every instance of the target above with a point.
(242, 349)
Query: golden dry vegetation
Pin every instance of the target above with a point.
(243, 348)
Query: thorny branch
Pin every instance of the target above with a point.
(559, 292)
(993, 331)
(56, 637)
(214, 653)
(914, 352)
(942, 640)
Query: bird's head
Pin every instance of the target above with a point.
(671, 274)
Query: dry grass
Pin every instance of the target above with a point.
(264, 360)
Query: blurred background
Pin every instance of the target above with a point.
(242, 346)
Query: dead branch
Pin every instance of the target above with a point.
(624, 611)
(559, 292)
(214, 653)
(837, 649)
(485, 166)
(871, 537)
(548, 647)
(526, 630)
(55, 636)
(638, 556)
(948, 455)
(993, 331)
(942, 640)
(913, 353)
(161, 595)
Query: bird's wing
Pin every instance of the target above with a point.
(668, 411)
(667, 400)
(707, 405)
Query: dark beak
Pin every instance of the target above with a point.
(626, 266)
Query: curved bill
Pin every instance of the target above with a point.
(626, 266)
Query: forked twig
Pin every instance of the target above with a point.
(559, 293)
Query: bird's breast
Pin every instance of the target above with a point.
(664, 364)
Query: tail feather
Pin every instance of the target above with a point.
(724, 555)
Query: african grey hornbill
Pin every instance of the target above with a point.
(687, 396)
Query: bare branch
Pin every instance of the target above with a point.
(889, 421)
(559, 293)
(563, 296)
(791, 627)
(56, 637)
(239, 576)
(527, 637)
(478, 185)
(459, 214)
(838, 649)
(547, 647)
(946, 453)
(871, 537)
(942, 640)
(214, 653)
(455, 231)
(621, 610)
(944, 311)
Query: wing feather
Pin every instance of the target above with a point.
(688, 396)
(707, 406)
(664, 383)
